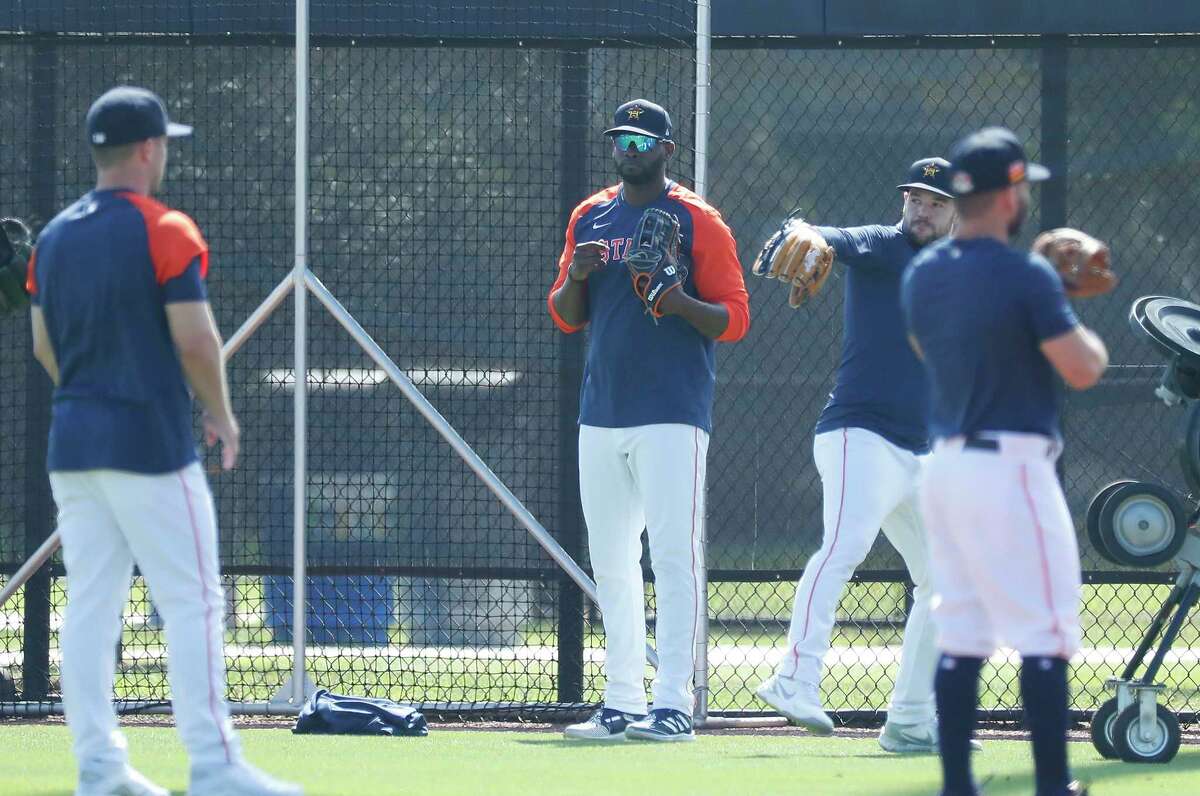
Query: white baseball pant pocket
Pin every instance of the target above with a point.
(99, 565)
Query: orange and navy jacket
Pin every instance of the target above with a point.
(103, 272)
(637, 372)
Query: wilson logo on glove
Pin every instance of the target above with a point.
(653, 259)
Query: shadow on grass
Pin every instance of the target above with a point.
(1099, 772)
(1103, 774)
(810, 755)
(563, 743)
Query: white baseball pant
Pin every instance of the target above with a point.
(648, 477)
(868, 484)
(1005, 560)
(166, 524)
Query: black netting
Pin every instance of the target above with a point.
(830, 129)
(441, 173)
(445, 152)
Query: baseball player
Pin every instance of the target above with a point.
(645, 416)
(122, 325)
(994, 326)
(870, 441)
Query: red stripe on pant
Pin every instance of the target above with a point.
(1046, 583)
(695, 577)
(212, 695)
(837, 528)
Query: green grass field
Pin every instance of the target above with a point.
(35, 760)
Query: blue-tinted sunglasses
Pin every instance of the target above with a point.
(642, 143)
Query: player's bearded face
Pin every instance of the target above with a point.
(641, 168)
(927, 216)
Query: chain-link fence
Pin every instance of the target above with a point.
(830, 127)
(445, 153)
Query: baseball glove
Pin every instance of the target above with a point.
(796, 254)
(653, 259)
(1081, 261)
(16, 245)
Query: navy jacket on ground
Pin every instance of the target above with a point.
(334, 714)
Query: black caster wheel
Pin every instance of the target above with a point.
(1162, 745)
(1142, 524)
(1102, 725)
(1092, 523)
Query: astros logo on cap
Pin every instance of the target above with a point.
(1016, 171)
(931, 170)
(634, 112)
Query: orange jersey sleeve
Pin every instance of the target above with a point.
(174, 238)
(564, 259)
(718, 272)
(564, 262)
(31, 275)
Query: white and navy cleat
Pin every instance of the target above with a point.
(606, 724)
(662, 724)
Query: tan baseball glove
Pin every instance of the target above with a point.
(798, 255)
(1081, 260)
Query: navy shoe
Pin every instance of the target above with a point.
(663, 724)
(606, 724)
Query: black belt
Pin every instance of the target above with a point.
(982, 444)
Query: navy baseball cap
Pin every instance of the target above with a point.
(642, 117)
(990, 159)
(930, 174)
(126, 114)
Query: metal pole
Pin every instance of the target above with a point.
(460, 446)
(703, 79)
(1053, 193)
(573, 126)
(700, 666)
(39, 504)
(703, 64)
(256, 318)
(31, 565)
(300, 369)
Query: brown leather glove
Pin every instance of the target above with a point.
(1081, 260)
(798, 255)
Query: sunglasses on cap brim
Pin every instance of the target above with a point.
(642, 143)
